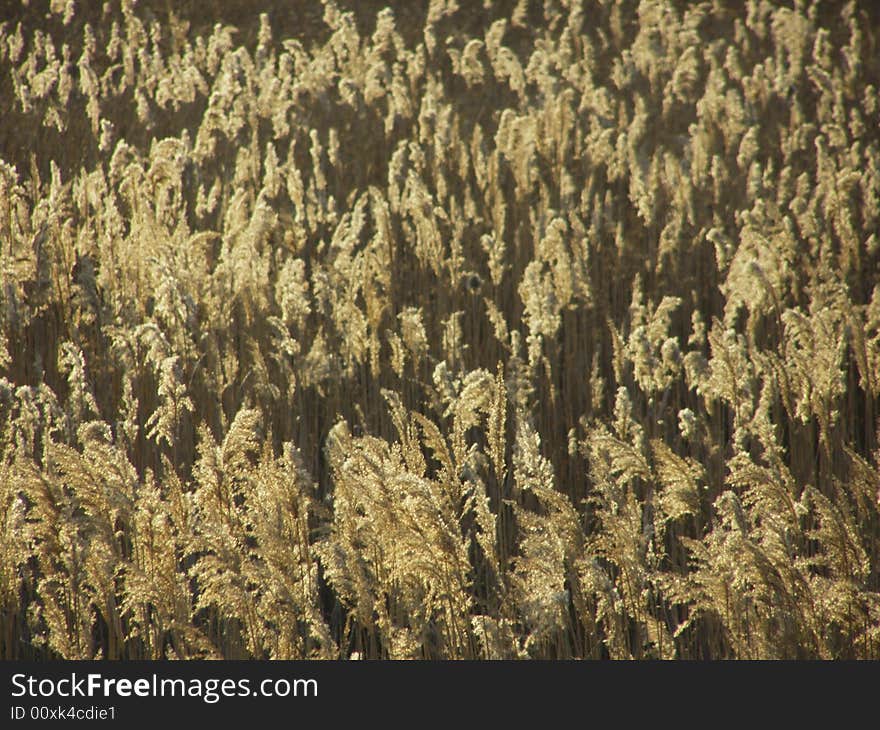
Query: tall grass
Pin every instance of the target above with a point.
(514, 330)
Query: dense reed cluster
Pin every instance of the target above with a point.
(443, 330)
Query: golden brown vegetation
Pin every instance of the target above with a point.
(449, 331)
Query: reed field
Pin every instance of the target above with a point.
(441, 330)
